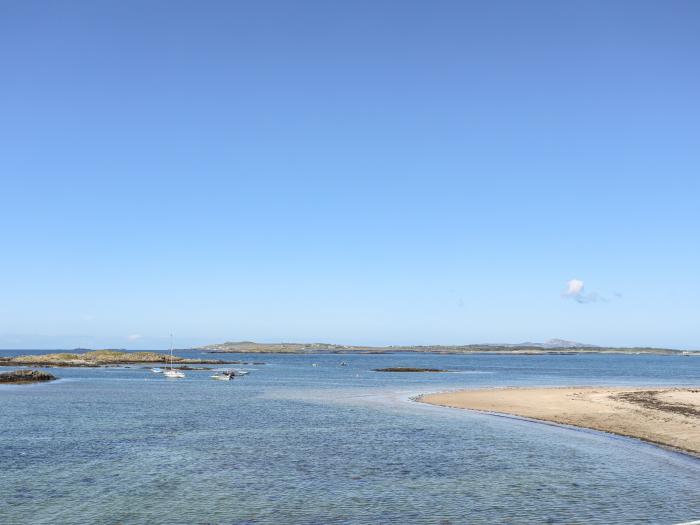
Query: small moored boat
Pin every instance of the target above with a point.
(172, 372)
(229, 374)
(225, 375)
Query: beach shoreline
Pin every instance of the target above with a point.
(668, 417)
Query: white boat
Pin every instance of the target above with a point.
(157, 370)
(226, 375)
(171, 372)
(175, 374)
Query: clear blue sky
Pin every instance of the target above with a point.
(379, 172)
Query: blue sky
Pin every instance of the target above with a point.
(376, 172)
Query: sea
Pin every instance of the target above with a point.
(326, 439)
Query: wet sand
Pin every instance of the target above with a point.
(663, 416)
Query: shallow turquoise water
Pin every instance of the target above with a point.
(293, 443)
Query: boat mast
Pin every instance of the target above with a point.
(171, 351)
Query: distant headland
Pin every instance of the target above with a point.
(552, 346)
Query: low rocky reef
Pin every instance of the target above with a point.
(26, 376)
(98, 358)
(408, 369)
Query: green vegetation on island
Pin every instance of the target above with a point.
(101, 358)
(555, 346)
(408, 369)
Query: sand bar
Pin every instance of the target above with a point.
(664, 416)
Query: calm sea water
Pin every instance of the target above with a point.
(294, 443)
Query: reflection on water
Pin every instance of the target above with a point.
(292, 443)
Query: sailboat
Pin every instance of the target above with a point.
(171, 372)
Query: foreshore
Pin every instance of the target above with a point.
(664, 416)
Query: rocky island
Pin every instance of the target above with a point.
(553, 346)
(98, 358)
(25, 376)
(408, 369)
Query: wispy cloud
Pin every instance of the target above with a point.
(575, 290)
(134, 337)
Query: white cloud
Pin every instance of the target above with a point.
(574, 287)
(575, 291)
(134, 337)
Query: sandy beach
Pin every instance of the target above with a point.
(664, 416)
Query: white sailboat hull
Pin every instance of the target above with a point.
(171, 372)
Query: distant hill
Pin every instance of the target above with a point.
(558, 343)
(552, 346)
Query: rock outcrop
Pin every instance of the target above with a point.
(101, 358)
(26, 376)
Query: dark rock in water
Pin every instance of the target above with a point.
(26, 376)
(408, 369)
